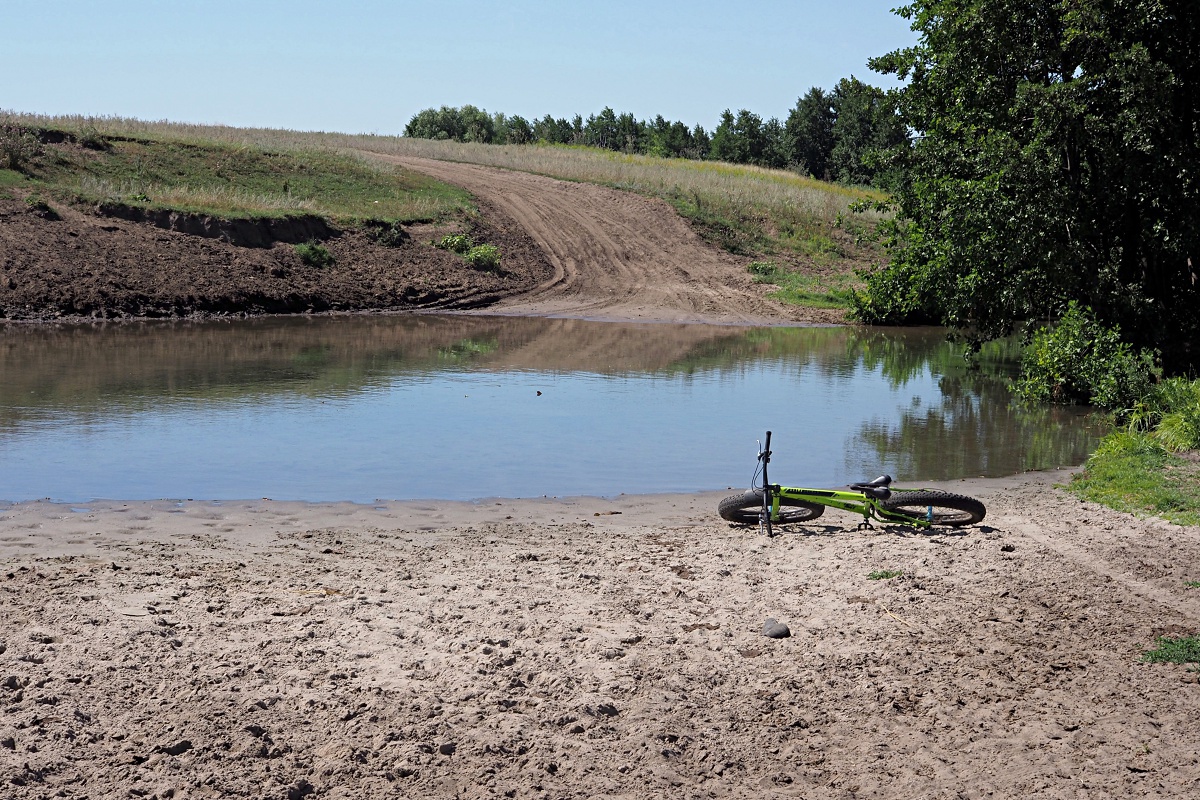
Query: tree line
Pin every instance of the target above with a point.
(832, 135)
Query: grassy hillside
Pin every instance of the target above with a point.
(228, 180)
(801, 232)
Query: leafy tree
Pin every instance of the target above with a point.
(443, 123)
(519, 131)
(1056, 159)
(863, 125)
(601, 130)
(723, 146)
(554, 131)
(777, 145)
(629, 133)
(468, 124)
(701, 143)
(809, 128)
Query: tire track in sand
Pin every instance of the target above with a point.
(616, 255)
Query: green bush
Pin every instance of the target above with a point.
(1170, 413)
(314, 254)
(18, 146)
(459, 243)
(763, 271)
(484, 256)
(1078, 360)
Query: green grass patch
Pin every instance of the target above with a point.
(1192, 584)
(244, 181)
(1184, 650)
(1133, 473)
(884, 574)
(800, 289)
(10, 178)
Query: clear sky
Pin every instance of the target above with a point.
(366, 66)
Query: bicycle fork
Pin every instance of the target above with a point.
(769, 506)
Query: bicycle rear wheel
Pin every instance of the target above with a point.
(744, 508)
(937, 508)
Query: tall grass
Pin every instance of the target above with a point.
(183, 196)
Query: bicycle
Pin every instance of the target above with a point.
(772, 504)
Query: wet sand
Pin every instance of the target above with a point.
(583, 647)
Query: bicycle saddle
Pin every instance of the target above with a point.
(877, 488)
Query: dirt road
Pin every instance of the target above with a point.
(616, 255)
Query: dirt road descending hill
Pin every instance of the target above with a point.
(616, 255)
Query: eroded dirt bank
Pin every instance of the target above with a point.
(80, 264)
(587, 647)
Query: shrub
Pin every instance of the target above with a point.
(1078, 360)
(388, 234)
(459, 243)
(763, 271)
(314, 254)
(18, 146)
(89, 136)
(484, 256)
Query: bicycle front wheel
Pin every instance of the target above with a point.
(937, 508)
(744, 508)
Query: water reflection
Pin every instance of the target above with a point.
(447, 406)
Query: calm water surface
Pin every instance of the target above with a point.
(463, 407)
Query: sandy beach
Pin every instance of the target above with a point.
(585, 647)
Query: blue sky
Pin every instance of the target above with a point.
(367, 67)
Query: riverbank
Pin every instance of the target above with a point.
(569, 648)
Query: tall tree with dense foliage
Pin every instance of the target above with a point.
(863, 125)
(809, 128)
(1057, 158)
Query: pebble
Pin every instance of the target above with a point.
(773, 629)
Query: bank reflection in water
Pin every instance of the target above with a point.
(359, 408)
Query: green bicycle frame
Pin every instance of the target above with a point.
(846, 500)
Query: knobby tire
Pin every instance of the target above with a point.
(744, 509)
(954, 510)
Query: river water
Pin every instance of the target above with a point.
(458, 407)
